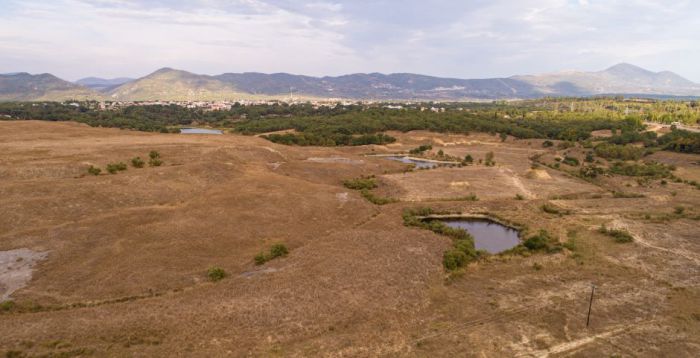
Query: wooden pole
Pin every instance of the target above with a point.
(590, 304)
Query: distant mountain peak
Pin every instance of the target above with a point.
(627, 69)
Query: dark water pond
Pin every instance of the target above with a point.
(488, 235)
(200, 131)
(418, 163)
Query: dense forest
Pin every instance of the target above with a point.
(566, 119)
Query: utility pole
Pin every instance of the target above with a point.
(590, 304)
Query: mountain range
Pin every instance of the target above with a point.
(172, 84)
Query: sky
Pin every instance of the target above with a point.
(459, 38)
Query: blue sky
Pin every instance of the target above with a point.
(464, 39)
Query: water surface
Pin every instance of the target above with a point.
(418, 163)
(200, 131)
(488, 235)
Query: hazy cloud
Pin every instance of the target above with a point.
(477, 38)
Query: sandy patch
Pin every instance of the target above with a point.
(16, 269)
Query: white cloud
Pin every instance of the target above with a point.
(475, 38)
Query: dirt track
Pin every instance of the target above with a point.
(125, 273)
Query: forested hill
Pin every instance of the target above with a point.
(178, 85)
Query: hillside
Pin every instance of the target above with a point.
(43, 87)
(103, 84)
(172, 84)
(619, 79)
(175, 85)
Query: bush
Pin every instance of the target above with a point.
(137, 162)
(113, 168)
(537, 242)
(154, 154)
(376, 200)
(276, 250)
(468, 159)
(215, 274)
(547, 144)
(543, 241)
(453, 259)
(519, 197)
(7, 306)
(620, 236)
(571, 161)
(488, 159)
(361, 183)
(260, 258)
(155, 162)
(621, 152)
(94, 170)
(651, 169)
(590, 171)
(421, 149)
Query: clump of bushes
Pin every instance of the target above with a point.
(376, 200)
(590, 171)
(488, 159)
(462, 252)
(651, 169)
(155, 160)
(113, 168)
(468, 159)
(620, 236)
(621, 152)
(547, 144)
(571, 161)
(137, 162)
(216, 274)
(421, 149)
(93, 170)
(276, 250)
(361, 183)
(543, 241)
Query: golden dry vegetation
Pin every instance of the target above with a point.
(125, 270)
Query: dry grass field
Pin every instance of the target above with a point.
(118, 262)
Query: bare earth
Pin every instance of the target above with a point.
(125, 256)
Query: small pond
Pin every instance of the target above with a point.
(200, 131)
(488, 235)
(419, 163)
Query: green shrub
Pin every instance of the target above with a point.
(519, 197)
(7, 306)
(137, 162)
(361, 183)
(260, 258)
(543, 241)
(619, 236)
(468, 159)
(154, 154)
(651, 169)
(547, 144)
(215, 274)
(94, 170)
(590, 171)
(679, 210)
(453, 259)
(537, 242)
(488, 159)
(155, 162)
(376, 200)
(113, 168)
(276, 250)
(571, 161)
(421, 149)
